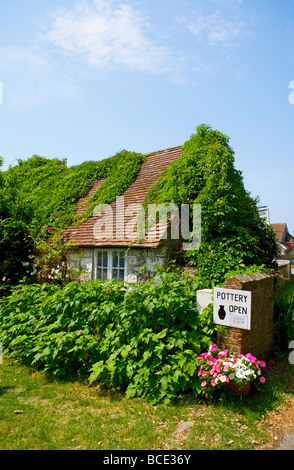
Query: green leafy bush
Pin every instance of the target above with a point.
(145, 339)
(284, 315)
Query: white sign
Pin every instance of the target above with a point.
(232, 307)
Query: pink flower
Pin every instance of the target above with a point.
(213, 383)
(4, 278)
(201, 355)
(262, 380)
(79, 332)
(251, 358)
(203, 383)
(262, 364)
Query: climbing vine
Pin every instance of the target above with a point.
(233, 234)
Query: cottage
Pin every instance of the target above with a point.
(107, 246)
(285, 240)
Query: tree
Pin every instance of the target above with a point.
(16, 243)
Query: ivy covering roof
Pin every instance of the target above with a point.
(151, 169)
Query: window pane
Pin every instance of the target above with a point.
(99, 258)
(115, 274)
(104, 274)
(122, 260)
(115, 259)
(105, 257)
(121, 275)
(98, 274)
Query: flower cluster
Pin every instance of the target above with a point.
(219, 366)
(46, 227)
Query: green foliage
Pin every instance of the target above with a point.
(145, 339)
(52, 189)
(284, 316)
(15, 240)
(15, 249)
(38, 201)
(233, 234)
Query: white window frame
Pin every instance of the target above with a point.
(110, 253)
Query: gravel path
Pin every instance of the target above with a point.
(287, 443)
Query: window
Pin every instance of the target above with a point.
(110, 265)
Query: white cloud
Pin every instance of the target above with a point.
(110, 35)
(217, 29)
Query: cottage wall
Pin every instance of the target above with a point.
(80, 263)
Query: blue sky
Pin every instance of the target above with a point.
(84, 79)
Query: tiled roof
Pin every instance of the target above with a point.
(279, 230)
(84, 234)
(80, 204)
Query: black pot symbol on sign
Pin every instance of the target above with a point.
(221, 312)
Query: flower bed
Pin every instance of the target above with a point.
(219, 367)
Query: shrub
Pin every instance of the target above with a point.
(284, 316)
(145, 339)
(153, 350)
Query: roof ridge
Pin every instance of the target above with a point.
(168, 149)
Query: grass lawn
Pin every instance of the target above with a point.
(37, 413)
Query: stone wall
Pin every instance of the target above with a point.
(259, 339)
(80, 263)
(283, 272)
(137, 258)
